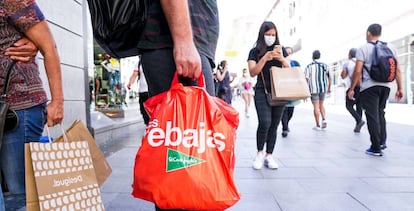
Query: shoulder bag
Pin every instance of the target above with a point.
(9, 119)
(270, 100)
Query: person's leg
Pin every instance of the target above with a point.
(2, 205)
(264, 116)
(30, 128)
(285, 119)
(384, 93)
(276, 116)
(370, 103)
(290, 110)
(142, 97)
(349, 104)
(357, 103)
(316, 112)
(263, 111)
(159, 69)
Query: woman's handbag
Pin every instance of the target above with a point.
(269, 99)
(9, 119)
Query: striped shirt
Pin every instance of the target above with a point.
(317, 74)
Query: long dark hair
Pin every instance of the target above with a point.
(260, 42)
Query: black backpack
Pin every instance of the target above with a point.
(118, 25)
(384, 63)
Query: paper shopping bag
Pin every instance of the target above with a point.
(186, 159)
(79, 132)
(288, 84)
(64, 177)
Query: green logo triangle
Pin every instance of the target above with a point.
(177, 160)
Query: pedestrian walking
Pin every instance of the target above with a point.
(261, 57)
(142, 89)
(246, 90)
(319, 80)
(352, 105)
(290, 107)
(374, 94)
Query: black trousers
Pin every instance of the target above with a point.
(356, 111)
(142, 97)
(287, 115)
(269, 118)
(373, 101)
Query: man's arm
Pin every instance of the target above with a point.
(186, 57)
(23, 50)
(399, 94)
(133, 78)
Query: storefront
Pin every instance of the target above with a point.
(108, 85)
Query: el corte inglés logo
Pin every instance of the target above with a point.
(177, 160)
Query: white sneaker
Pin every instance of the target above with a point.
(324, 124)
(258, 161)
(270, 162)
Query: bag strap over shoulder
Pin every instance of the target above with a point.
(7, 79)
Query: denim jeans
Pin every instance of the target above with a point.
(373, 101)
(30, 128)
(159, 69)
(269, 118)
(2, 206)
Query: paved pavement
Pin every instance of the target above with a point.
(319, 170)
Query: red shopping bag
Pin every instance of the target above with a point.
(186, 159)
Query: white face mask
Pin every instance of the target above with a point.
(269, 40)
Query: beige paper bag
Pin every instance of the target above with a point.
(288, 84)
(64, 177)
(79, 132)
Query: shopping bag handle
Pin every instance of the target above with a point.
(65, 138)
(200, 80)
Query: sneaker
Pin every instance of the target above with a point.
(383, 146)
(270, 162)
(258, 161)
(324, 124)
(358, 127)
(317, 128)
(284, 133)
(372, 152)
(247, 114)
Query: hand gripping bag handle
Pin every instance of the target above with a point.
(200, 80)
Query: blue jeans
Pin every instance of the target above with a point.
(2, 206)
(30, 128)
(159, 69)
(269, 118)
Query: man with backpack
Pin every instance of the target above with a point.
(374, 57)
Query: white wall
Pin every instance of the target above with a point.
(66, 20)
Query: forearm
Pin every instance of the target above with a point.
(256, 68)
(178, 17)
(43, 39)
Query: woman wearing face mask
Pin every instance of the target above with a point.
(261, 58)
(246, 90)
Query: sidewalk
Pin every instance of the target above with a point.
(319, 170)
